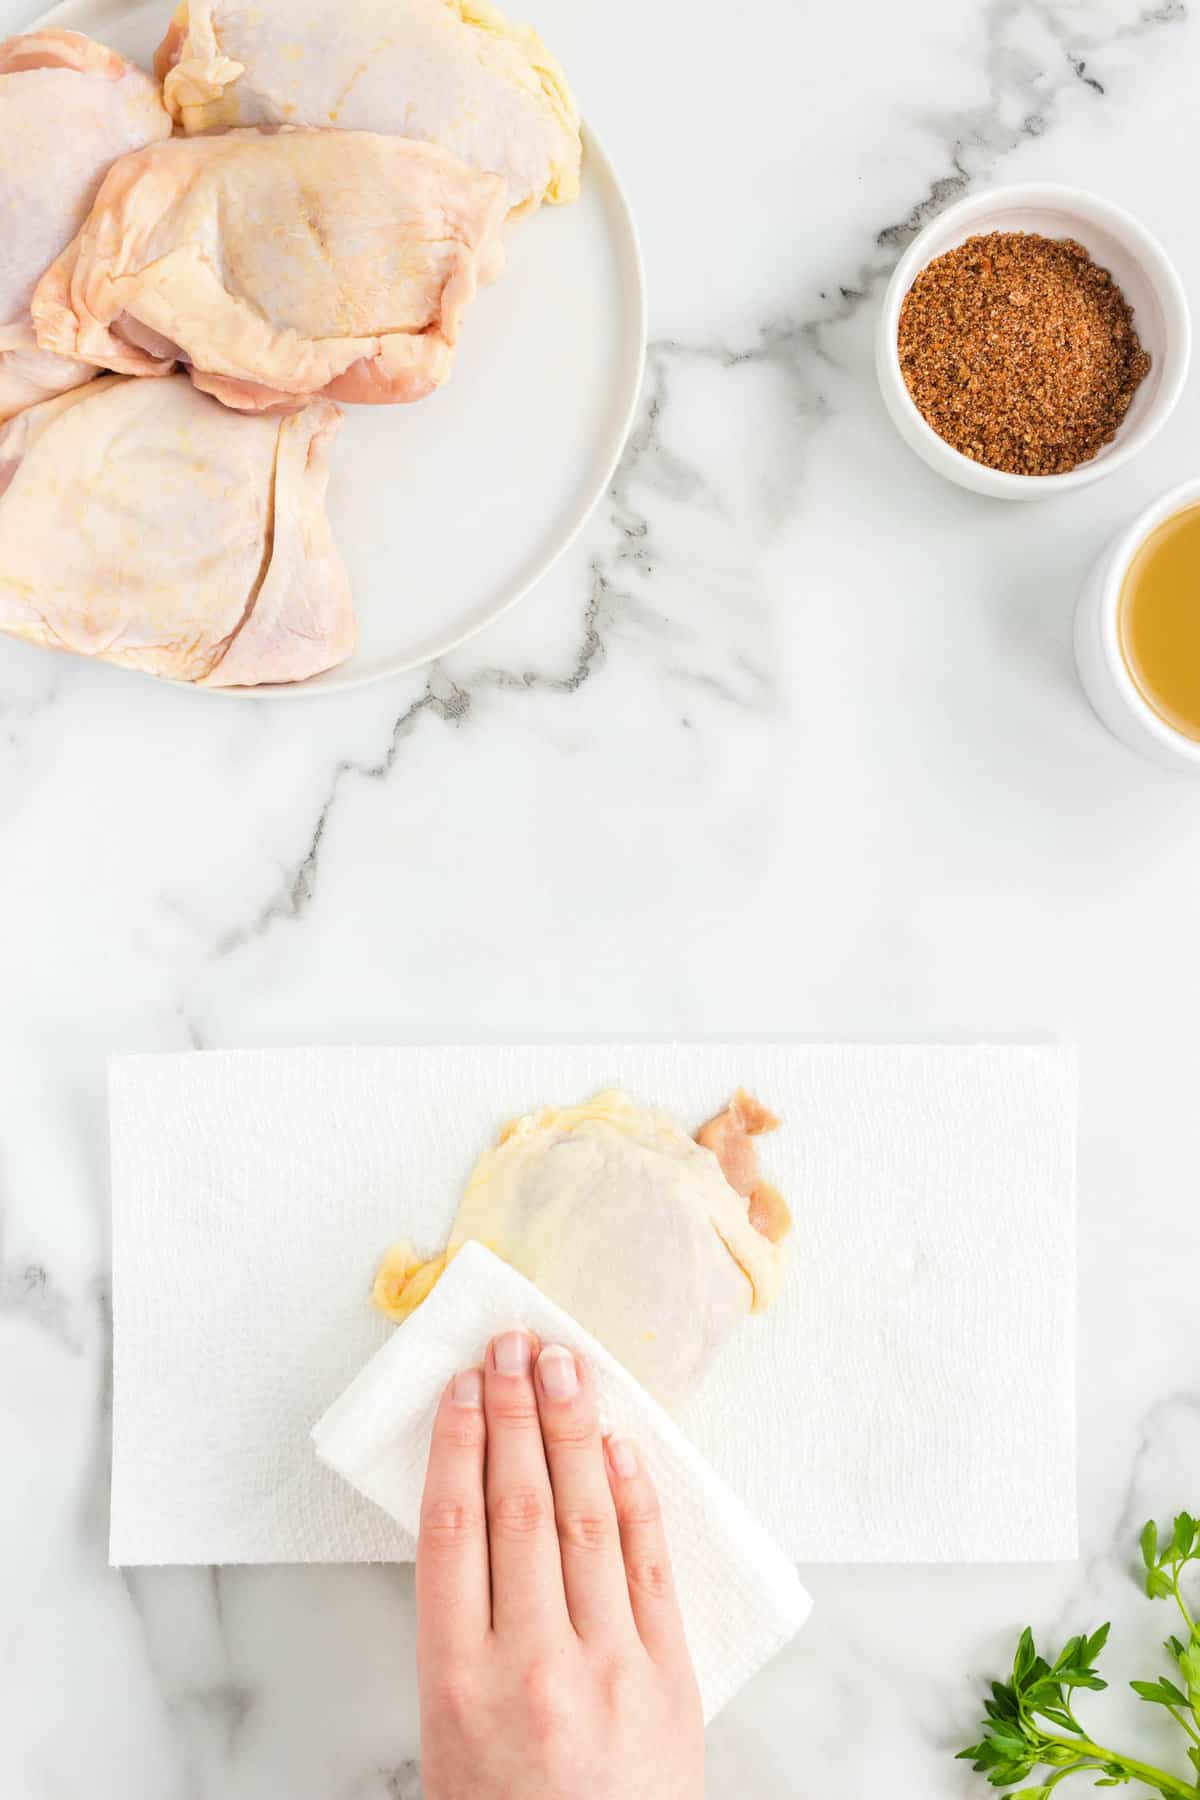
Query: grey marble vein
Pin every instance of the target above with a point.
(400, 1783)
(449, 702)
(796, 346)
(441, 700)
(28, 1292)
(17, 711)
(221, 1708)
(979, 137)
(1079, 65)
(588, 657)
(193, 1684)
(208, 1717)
(1174, 1420)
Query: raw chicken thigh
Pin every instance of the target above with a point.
(279, 265)
(655, 1243)
(143, 523)
(449, 72)
(68, 108)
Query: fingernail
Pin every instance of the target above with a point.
(623, 1457)
(468, 1388)
(510, 1353)
(557, 1373)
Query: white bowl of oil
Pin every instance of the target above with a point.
(1114, 240)
(1137, 632)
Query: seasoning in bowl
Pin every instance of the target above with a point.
(1020, 352)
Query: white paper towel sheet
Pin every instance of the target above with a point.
(909, 1398)
(740, 1597)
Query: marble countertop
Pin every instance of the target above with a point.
(789, 746)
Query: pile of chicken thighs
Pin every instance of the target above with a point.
(296, 209)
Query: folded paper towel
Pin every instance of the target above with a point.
(741, 1597)
(909, 1396)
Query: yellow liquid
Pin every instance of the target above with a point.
(1158, 621)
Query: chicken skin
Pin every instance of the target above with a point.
(730, 1136)
(143, 523)
(68, 108)
(278, 266)
(639, 1231)
(448, 72)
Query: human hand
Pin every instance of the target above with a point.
(551, 1659)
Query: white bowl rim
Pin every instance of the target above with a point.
(1116, 566)
(1086, 207)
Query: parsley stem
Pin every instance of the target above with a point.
(1185, 1723)
(1154, 1778)
(1075, 1725)
(1179, 1599)
(1079, 1768)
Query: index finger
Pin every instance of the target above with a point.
(453, 1590)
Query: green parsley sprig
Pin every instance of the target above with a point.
(1031, 1728)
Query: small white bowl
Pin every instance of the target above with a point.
(1114, 240)
(1103, 670)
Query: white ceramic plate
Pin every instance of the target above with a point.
(448, 511)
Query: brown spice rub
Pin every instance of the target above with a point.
(1020, 351)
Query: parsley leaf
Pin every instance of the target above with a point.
(1031, 1726)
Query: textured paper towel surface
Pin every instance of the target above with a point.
(740, 1596)
(909, 1398)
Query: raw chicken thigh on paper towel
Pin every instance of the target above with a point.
(656, 1242)
(68, 108)
(449, 72)
(143, 523)
(278, 265)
